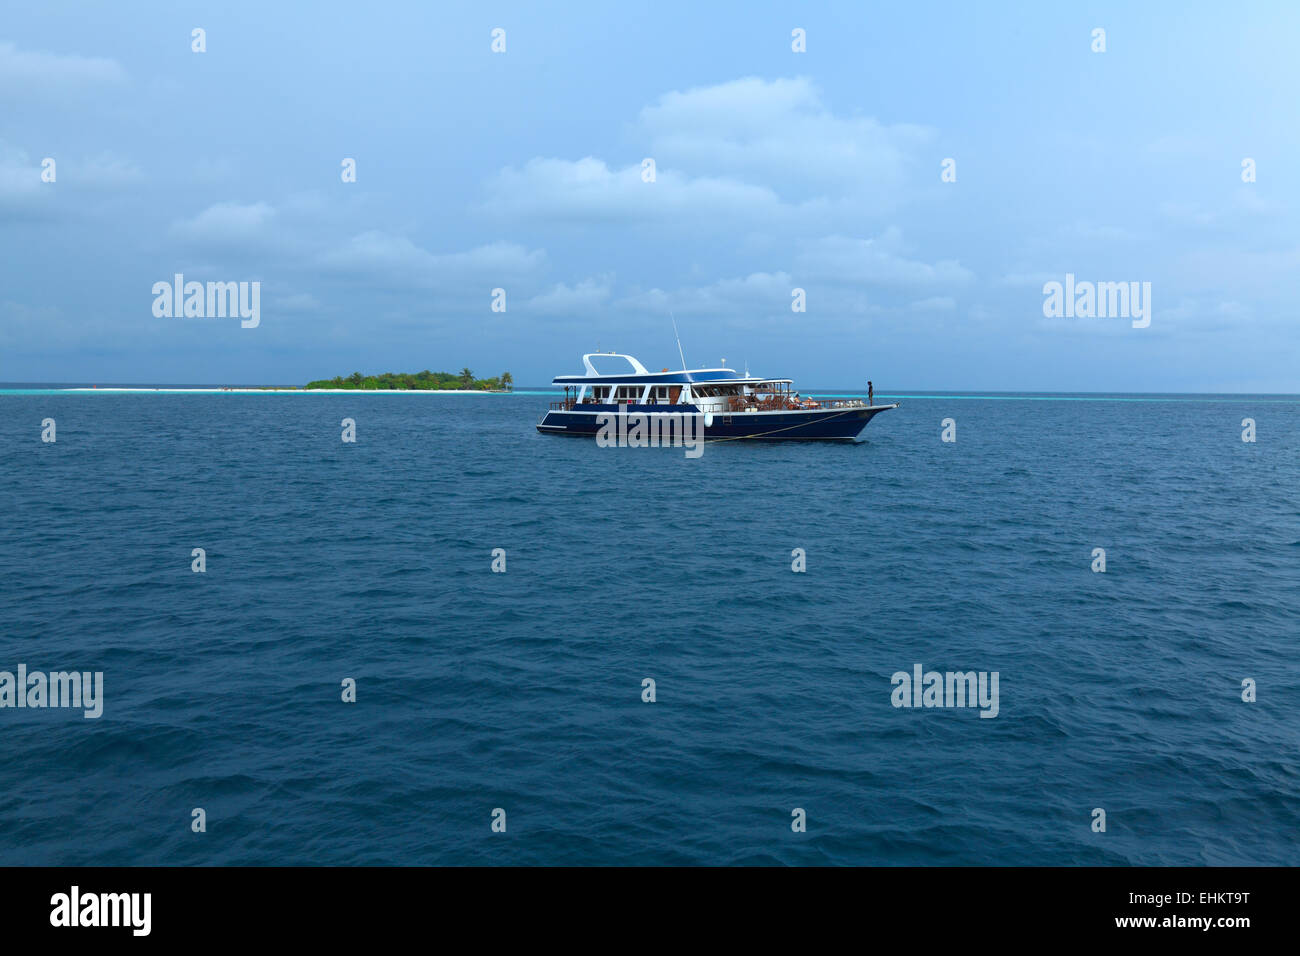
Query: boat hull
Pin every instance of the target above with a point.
(830, 424)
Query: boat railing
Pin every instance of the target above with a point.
(786, 403)
(841, 402)
(570, 404)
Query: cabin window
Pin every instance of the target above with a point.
(715, 391)
(628, 394)
(659, 395)
(600, 394)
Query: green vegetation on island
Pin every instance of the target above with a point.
(419, 381)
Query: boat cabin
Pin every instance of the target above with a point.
(692, 390)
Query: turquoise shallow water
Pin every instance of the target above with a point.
(522, 690)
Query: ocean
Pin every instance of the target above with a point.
(522, 691)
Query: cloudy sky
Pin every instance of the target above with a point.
(775, 170)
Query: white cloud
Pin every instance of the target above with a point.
(28, 73)
(757, 292)
(400, 259)
(227, 222)
(718, 152)
(832, 271)
(780, 130)
(21, 184)
(879, 260)
(587, 190)
(585, 298)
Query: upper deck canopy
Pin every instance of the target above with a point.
(641, 375)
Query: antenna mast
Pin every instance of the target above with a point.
(679, 339)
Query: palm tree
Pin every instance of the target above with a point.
(466, 378)
(507, 381)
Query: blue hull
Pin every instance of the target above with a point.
(832, 424)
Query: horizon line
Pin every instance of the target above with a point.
(921, 393)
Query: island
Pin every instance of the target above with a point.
(418, 381)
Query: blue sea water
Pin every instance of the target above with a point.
(477, 690)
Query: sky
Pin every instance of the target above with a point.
(774, 170)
